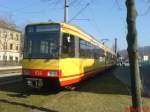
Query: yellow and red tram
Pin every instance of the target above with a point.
(60, 54)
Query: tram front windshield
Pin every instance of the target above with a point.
(41, 43)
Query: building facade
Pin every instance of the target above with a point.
(10, 44)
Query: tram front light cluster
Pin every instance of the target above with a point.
(53, 73)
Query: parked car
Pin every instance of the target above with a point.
(126, 63)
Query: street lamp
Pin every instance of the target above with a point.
(104, 40)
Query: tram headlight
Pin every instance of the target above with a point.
(53, 73)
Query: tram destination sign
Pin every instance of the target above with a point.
(43, 28)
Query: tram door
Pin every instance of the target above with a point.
(68, 54)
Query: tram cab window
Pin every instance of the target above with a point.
(28, 46)
(41, 48)
(44, 47)
(68, 45)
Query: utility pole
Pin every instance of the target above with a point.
(116, 46)
(133, 56)
(66, 6)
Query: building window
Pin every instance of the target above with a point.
(11, 58)
(11, 36)
(11, 46)
(16, 58)
(17, 48)
(5, 34)
(5, 46)
(4, 57)
(17, 37)
(68, 45)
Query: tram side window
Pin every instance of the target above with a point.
(68, 46)
(86, 50)
(90, 51)
(101, 53)
(98, 52)
(109, 56)
(83, 48)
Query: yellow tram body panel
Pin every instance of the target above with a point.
(77, 66)
(72, 69)
(68, 66)
(40, 64)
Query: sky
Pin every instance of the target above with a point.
(103, 19)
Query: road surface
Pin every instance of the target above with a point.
(123, 74)
(10, 78)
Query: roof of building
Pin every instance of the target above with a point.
(7, 26)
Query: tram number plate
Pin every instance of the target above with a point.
(36, 83)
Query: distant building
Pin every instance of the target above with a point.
(10, 40)
(148, 56)
(145, 58)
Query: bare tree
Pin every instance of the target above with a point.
(133, 56)
(7, 22)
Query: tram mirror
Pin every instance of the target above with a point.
(68, 39)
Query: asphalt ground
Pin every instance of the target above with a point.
(10, 78)
(123, 74)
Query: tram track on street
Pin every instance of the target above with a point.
(10, 78)
(9, 82)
